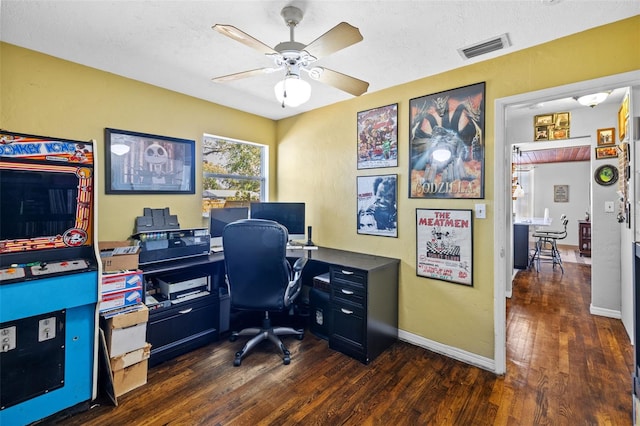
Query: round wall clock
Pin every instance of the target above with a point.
(606, 175)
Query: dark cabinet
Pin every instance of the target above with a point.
(179, 327)
(584, 238)
(182, 328)
(365, 310)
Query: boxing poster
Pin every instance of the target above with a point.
(378, 205)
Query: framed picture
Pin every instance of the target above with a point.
(541, 133)
(447, 147)
(543, 120)
(606, 175)
(378, 137)
(140, 163)
(444, 245)
(606, 152)
(378, 205)
(623, 118)
(606, 136)
(561, 120)
(560, 193)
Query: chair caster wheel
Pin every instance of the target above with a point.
(233, 337)
(237, 362)
(286, 360)
(300, 336)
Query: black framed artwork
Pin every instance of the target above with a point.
(378, 137)
(444, 245)
(447, 147)
(378, 205)
(141, 163)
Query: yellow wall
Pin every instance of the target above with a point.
(47, 96)
(316, 154)
(322, 146)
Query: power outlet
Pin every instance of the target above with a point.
(481, 211)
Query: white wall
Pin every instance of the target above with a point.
(574, 174)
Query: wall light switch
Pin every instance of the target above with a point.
(608, 206)
(481, 211)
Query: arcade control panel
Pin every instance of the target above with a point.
(24, 271)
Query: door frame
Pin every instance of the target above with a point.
(502, 187)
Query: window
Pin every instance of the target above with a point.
(234, 172)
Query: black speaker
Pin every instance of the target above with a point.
(309, 241)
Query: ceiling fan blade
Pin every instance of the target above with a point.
(337, 38)
(244, 38)
(244, 74)
(343, 82)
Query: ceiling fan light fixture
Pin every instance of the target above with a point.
(292, 91)
(592, 99)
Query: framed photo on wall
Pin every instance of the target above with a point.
(606, 152)
(446, 154)
(444, 245)
(606, 136)
(378, 205)
(378, 137)
(560, 193)
(140, 163)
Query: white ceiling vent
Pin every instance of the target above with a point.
(487, 46)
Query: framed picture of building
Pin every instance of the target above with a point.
(447, 149)
(378, 137)
(444, 245)
(378, 205)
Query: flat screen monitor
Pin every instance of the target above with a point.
(290, 215)
(219, 218)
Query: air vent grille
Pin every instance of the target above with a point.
(484, 47)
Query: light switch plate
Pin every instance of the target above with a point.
(481, 211)
(608, 206)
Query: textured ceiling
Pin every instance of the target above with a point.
(170, 44)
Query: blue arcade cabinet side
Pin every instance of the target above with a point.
(49, 277)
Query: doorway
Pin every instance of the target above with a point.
(502, 190)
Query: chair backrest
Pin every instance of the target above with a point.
(256, 265)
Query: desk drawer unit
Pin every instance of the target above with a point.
(182, 328)
(349, 308)
(365, 310)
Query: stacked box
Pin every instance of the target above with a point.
(118, 256)
(125, 334)
(120, 290)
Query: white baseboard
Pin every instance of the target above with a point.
(449, 351)
(610, 313)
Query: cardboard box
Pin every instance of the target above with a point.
(118, 255)
(121, 281)
(128, 339)
(126, 332)
(128, 319)
(120, 299)
(125, 360)
(129, 378)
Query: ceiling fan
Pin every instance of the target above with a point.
(294, 57)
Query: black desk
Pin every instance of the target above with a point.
(364, 303)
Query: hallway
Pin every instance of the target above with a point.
(565, 365)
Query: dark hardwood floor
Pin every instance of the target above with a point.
(565, 367)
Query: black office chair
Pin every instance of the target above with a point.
(261, 279)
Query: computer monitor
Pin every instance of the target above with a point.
(290, 215)
(219, 218)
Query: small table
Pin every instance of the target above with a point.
(521, 239)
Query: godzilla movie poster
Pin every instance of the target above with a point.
(447, 146)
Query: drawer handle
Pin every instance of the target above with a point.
(345, 291)
(347, 272)
(186, 311)
(346, 311)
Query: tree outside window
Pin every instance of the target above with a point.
(233, 172)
